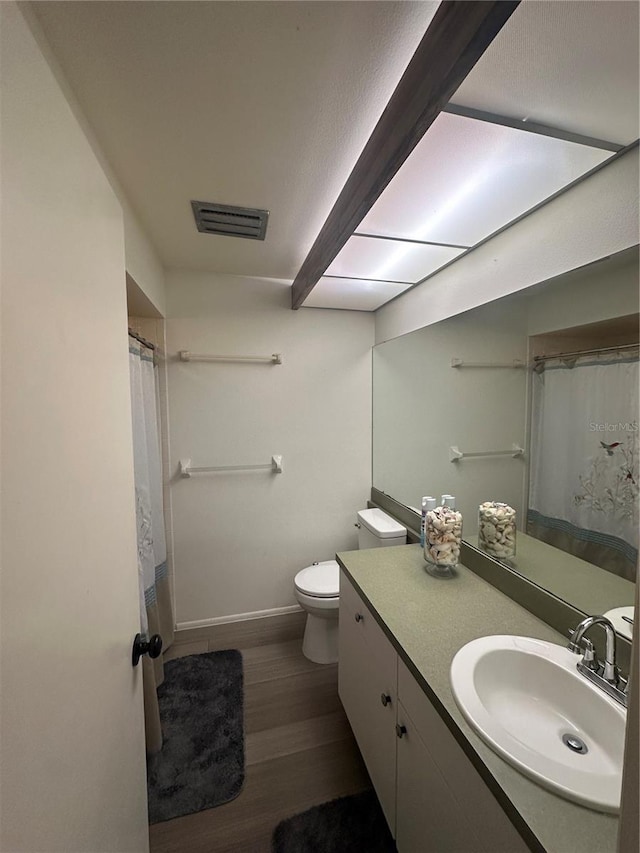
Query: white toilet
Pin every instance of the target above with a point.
(317, 588)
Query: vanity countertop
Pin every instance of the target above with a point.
(428, 620)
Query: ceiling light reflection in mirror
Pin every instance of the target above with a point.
(467, 178)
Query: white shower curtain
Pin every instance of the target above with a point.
(155, 603)
(583, 493)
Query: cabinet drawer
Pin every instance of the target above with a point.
(494, 831)
(367, 686)
(353, 609)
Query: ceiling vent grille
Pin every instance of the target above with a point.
(230, 221)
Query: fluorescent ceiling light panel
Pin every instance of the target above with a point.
(355, 294)
(467, 178)
(389, 260)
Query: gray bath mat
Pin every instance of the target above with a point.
(201, 763)
(348, 825)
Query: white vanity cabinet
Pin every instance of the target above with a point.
(367, 685)
(433, 797)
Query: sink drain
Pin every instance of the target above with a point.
(575, 744)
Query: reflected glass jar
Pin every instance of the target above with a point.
(497, 529)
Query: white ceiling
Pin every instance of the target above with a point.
(257, 104)
(570, 64)
(268, 105)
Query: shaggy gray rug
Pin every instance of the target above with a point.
(353, 824)
(201, 763)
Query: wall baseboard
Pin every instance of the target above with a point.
(238, 617)
(244, 630)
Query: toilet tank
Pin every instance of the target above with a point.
(376, 529)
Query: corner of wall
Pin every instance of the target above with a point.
(141, 260)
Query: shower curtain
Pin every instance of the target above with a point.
(583, 494)
(156, 615)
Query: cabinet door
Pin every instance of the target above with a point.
(428, 818)
(471, 799)
(367, 680)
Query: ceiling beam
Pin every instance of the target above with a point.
(458, 35)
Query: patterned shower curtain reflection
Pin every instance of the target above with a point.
(583, 494)
(156, 615)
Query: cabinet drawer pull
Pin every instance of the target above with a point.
(400, 730)
(359, 617)
(385, 699)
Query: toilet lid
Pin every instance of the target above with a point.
(322, 580)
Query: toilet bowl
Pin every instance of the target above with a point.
(317, 588)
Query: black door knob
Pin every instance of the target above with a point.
(401, 730)
(385, 699)
(359, 617)
(151, 647)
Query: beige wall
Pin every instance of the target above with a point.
(72, 767)
(239, 538)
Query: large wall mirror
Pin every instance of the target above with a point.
(530, 400)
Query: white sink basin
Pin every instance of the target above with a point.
(522, 696)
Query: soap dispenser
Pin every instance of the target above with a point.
(427, 503)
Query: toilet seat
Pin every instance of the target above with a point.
(321, 580)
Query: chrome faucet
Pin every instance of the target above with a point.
(605, 675)
(609, 668)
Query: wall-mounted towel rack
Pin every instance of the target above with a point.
(455, 454)
(186, 469)
(516, 363)
(275, 358)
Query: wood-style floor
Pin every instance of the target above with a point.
(300, 752)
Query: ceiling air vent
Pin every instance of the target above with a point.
(223, 219)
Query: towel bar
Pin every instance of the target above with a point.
(186, 469)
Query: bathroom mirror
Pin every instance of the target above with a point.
(483, 406)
